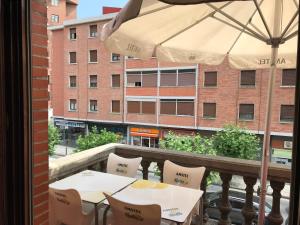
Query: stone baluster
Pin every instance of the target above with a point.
(204, 198)
(145, 164)
(161, 169)
(248, 209)
(225, 206)
(275, 217)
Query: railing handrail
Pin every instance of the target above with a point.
(69, 164)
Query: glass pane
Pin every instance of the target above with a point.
(209, 110)
(210, 79)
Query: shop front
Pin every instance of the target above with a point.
(145, 137)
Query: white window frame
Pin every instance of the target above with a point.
(90, 80)
(70, 109)
(247, 86)
(114, 61)
(285, 121)
(54, 18)
(93, 111)
(70, 81)
(285, 86)
(111, 83)
(89, 56)
(70, 58)
(204, 79)
(54, 2)
(208, 118)
(96, 34)
(246, 120)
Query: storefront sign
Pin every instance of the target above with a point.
(67, 124)
(144, 132)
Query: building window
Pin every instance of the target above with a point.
(72, 104)
(246, 112)
(72, 57)
(93, 56)
(54, 2)
(93, 30)
(133, 107)
(148, 107)
(168, 78)
(209, 110)
(287, 113)
(186, 77)
(54, 18)
(288, 77)
(93, 81)
(247, 78)
(185, 107)
(140, 107)
(72, 81)
(115, 80)
(73, 35)
(134, 79)
(115, 106)
(210, 79)
(93, 106)
(180, 107)
(115, 57)
(149, 79)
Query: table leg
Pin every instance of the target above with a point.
(96, 214)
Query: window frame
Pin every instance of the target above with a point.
(111, 107)
(54, 18)
(285, 121)
(176, 106)
(247, 86)
(90, 81)
(54, 2)
(209, 117)
(114, 61)
(96, 33)
(72, 63)
(111, 83)
(70, 104)
(89, 56)
(239, 110)
(204, 79)
(70, 86)
(90, 106)
(70, 34)
(287, 86)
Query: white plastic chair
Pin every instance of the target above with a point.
(66, 208)
(129, 214)
(185, 177)
(123, 166)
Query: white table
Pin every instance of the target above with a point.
(176, 202)
(91, 185)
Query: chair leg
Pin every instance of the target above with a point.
(105, 214)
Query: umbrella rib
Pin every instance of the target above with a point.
(156, 10)
(262, 18)
(192, 25)
(296, 3)
(291, 28)
(237, 22)
(289, 24)
(258, 30)
(240, 29)
(291, 36)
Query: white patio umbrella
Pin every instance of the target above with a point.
(253, 34)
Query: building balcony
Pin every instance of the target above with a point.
(247, 170)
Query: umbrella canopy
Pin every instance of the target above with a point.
(205, 33)
(253, 34)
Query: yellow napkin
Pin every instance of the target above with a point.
(142, 184)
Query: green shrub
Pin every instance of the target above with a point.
(54, 138)
(236, 142)
(95, 139)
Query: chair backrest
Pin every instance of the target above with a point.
(129, 214)
(182, 176)
(123, 166)
(65, 207)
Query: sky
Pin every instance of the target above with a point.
(91, 8)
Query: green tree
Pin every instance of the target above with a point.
(236, 142)
(54, 138)
(95, 138)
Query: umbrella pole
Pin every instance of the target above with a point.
(266, 143)
(267, 133)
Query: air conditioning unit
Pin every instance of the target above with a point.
(288, 144)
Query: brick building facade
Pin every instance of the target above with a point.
(144, 100)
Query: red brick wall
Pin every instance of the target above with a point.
(40, 111)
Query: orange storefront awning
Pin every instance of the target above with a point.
(144, 132)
